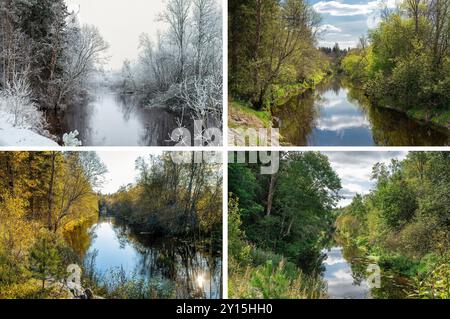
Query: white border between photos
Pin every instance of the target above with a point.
(225, 149)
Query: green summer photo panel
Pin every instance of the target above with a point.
(110, 225)
(339, 73)
(339, 225)
(111, 73)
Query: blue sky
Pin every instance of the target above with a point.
(344, 21)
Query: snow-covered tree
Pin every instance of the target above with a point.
(85, 49)
(17, 106)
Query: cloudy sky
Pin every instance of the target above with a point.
(344, 21)
(121, 23)
(355, 169)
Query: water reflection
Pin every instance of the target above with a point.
(193, 271)
(110, 119)
(337, 115)
(346, 276)
(340, 278)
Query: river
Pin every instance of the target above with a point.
(347, 275)
(111, 119)
(189, 269)
(337, 115)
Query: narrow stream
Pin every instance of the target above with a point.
(337, 115)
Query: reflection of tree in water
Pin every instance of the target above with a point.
(128, 103)
(393, 286)
(297, 118)
(80, 238)
(200, 273)
(196, 272)
(358, 265)
(392, 128)
(77, 116)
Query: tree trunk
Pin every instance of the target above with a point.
(50, 192)
(273, 180)
(10, 172)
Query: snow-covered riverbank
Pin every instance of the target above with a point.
(16, 136)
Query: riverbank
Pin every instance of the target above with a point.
(440, 119)
(437, 118)
(242, 116)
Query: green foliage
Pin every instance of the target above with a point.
(45, 260)
(273, 281)
(289, 233)
(406, 66)
(272, 50)
(357, 64)
(404, 220)
(436, 284)
(397, 204)
(236, 237)
(270, 281)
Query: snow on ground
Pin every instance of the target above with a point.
(21, 137)
(12, 136)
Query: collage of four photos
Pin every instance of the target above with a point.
(224, 149)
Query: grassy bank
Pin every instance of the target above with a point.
(243, 115)
(437, 117)
(257, 273)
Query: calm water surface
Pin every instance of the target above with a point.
(346, 274)
(336, 115)
(192, 270)
(110, 119)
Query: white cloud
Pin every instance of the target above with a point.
(328, 28)
(341, 9)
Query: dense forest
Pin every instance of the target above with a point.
(44, 196)
(279, 226)
(405, 62)
(275, 56)
(50, 65)
(49, 217)
(46, 58)
(404, 222)
(172, 200)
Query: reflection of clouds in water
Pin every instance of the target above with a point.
(330, 260)
(341, 122)
(337, 113)
(330, 103)
(343, 274)
(338, 276)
